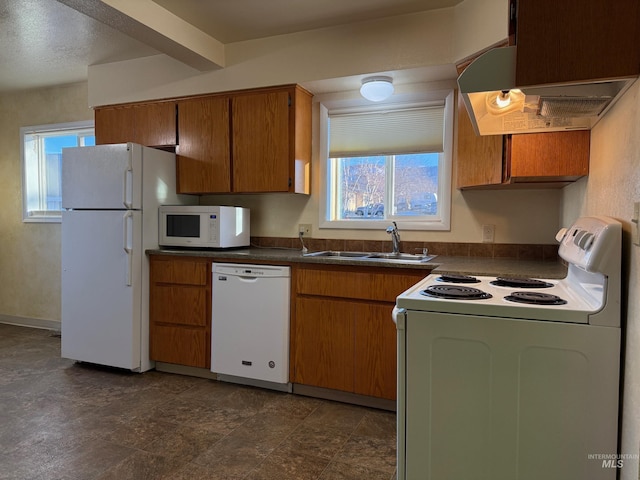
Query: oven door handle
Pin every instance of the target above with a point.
(399, 316)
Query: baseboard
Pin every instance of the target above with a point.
(281, 387)
(186, 370)
(345, 397)
(31, 322)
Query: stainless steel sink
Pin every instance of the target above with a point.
(372, 256)
(398, 256)
(337, 254)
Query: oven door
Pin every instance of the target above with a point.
(500, 399)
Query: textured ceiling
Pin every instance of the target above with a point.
(46, 42)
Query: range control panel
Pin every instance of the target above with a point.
(592, 243)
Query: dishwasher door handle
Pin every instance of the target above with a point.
(242, 278)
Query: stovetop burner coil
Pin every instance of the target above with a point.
(455, 292)
(535, 298)
(453, 278)
(520, 283)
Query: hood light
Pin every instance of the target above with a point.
(377, 89)
(505, 101)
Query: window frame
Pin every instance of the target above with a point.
(439, 222)
(51, 216)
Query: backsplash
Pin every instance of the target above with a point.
(489, 250)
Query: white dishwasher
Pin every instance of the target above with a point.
(250, 324)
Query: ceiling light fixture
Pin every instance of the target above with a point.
(377, 89)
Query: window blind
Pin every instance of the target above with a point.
(412, 130)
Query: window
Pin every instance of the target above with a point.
(389, 164)
(42, 166)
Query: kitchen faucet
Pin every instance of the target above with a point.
(395, 237)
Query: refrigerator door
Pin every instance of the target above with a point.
(101, 287)
(102, 177)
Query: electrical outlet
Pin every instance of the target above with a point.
(304, 229)
(488, 233)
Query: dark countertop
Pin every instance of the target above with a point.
(481, 266)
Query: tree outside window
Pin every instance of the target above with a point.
(391, 185)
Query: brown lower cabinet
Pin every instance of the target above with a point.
(344, 338)
(342, 335)
(180, 310)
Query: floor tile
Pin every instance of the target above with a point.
(378, 454)
(341, 471)
(289, 466)
(62, 420)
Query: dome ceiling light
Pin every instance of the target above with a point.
(377, 89)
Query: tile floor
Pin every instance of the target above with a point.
(61, 420)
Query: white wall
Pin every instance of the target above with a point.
(611, 188)
(30, 252)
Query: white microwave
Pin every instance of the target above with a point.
(201, 226)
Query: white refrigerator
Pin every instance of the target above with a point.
(110, 200)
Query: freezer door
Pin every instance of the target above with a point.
(102, 177)
(101, 287)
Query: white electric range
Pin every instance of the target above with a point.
(512, 378)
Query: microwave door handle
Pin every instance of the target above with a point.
(128, 228)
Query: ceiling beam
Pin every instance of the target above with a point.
(153, 25)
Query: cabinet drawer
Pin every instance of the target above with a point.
(183, 346)
(179, 305)
(183, 272)
(364, 285)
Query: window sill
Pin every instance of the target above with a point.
(432, 224)
(42, 219)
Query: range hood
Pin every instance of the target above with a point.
(497, 106)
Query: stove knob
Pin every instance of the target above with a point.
(578, 236)
(561, 234)
(587, 241)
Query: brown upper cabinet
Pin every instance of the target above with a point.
(576, 40)
(245, 141)
(536, 160)
(571, 41)
(204, 153)
(248, 141)
(151, 124)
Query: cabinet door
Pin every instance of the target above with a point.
(152, 124)
(324, 341)
(180, 305)
(155, 124)
(576, 40)
(479, 158)
(182, 346)
(261, 142)
(114, 125)
(203, 154)
(375, 351)
(180, 311)
(561, 156)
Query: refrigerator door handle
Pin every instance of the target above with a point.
(127, 192)
(128, 229)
